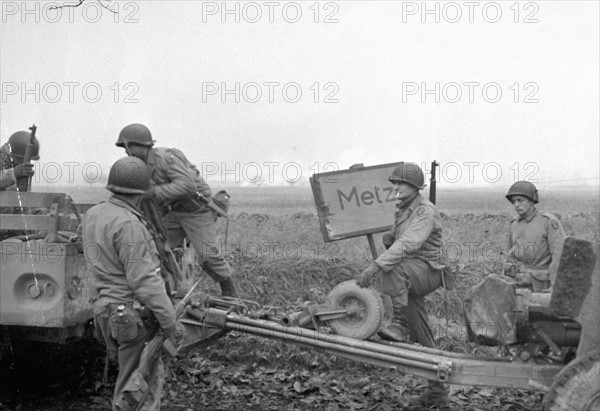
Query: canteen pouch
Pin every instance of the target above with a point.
(125, 324)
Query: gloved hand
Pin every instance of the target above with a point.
(365, 278)
(24, 170)
(523, 278)
(388, 239)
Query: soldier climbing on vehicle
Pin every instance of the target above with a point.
(185, 200)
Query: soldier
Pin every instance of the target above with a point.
(177, 186)
(411, 267)
(122, 256)
(535, 240)
(12, 154)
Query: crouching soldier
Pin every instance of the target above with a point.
(122, 256)
(535, 240)
(411, 268)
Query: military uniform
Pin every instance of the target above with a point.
(7, 179)
(412, 266)
(175, 182)
(7, 174)
(12, 155)
(535, 244)
(122, 256)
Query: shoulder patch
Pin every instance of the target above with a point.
(420, 210)
(174, 153)
(554, 223)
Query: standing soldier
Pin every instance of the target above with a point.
(183, 195)
(122, 256)
(535, 240)
(411, 267)
(12, 154)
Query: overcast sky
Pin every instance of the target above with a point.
(516, 86)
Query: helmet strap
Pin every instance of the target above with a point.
(126, 145)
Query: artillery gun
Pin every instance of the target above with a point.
(565, 321)
(45, 295)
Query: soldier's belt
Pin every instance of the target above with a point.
(188, 205)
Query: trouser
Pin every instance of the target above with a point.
(407, 285)
(412, 281)
(201, 229)
(127, 351)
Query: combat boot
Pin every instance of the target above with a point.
(435, 395)
(227, 288)
(397, 332)
(397, 329)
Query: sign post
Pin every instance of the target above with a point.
(355, 202)
(358, 201)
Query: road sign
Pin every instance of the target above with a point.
(354, 202)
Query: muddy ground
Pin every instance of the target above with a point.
(239, 372)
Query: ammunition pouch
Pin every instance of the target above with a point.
(149, 320)
(535, 277)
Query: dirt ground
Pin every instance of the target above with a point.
(239, 372)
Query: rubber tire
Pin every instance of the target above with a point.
(348, 292)
(577, 386)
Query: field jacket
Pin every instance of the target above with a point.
(7, 179)
(417, 231)
(122, 256)
(7, 173)
(174, 178)
(536, 242)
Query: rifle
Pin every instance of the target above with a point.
(137, 389)
(432, 182)
(149, 208)
(211, 204)
(25, 183)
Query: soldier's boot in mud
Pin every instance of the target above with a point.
(397, 331)
(228, 288)
(436, 395)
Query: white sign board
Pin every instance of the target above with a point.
(354, 202)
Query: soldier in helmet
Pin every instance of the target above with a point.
(535, 240)
(12, 154)
(122, 256)
(411, 267)
(176, 184)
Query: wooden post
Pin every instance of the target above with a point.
(372, 245)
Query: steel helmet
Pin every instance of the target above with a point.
(523, 188)
(409, 173)
(17, 145)
(135, 134)
(129, 175)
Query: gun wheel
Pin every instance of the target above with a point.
(365, 310)
(577, 386)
